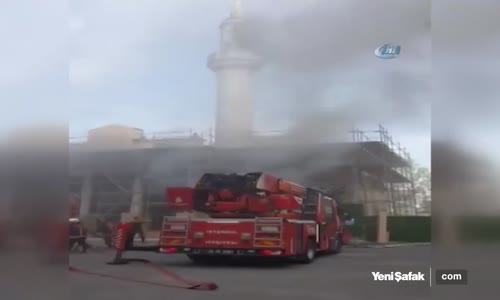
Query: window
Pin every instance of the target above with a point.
(328, 209)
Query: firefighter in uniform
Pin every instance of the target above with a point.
(77, 235)
(138, 228)
(105, 227)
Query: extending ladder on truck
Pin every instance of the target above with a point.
(174, 232)
(268, 232)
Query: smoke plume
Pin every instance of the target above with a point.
(332, 33)
(322, 59)
(321, 69)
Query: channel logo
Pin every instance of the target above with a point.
(388, 51)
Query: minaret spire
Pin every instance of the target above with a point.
(234, 66)
(236, 10)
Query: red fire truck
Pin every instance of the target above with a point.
(255, 214)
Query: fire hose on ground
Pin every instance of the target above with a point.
(119, 238)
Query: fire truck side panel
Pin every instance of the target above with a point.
(309, 233)
(328, 223)
(299, 244)
(289, 238)
(295, 237)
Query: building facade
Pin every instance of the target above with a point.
(112, 180)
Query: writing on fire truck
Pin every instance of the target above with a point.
(254, 214)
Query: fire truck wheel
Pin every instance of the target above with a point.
(310, 254)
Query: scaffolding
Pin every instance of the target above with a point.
(393, 168)
(111, 194)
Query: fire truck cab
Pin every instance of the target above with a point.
(254, 214)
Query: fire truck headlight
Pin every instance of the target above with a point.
(273, 229)
(198, 235)
(245, 236)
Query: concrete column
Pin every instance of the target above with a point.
(86, 196)
(382, 234)
(137, 204)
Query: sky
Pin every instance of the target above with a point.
(143, 64)
(34, 62)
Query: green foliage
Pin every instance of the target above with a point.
(409, 228)
(479, 228)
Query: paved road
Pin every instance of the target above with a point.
(345, 276)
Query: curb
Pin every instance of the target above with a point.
(379, 246)
(357, 245)
(407, 245)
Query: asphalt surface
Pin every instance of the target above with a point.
(345, 276)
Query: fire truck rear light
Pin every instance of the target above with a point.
(268, 252)
(168, 250)
(245, 236)
(198, 235)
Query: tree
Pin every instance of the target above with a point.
(422, 181)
